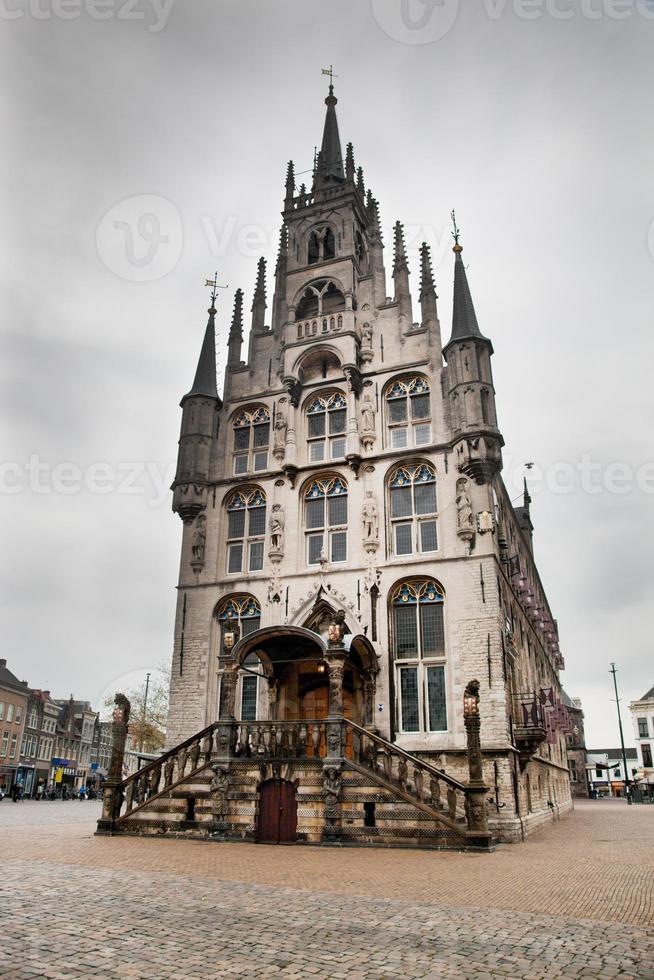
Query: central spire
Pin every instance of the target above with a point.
(330, 158)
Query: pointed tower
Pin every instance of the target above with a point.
(200, 407)
(376, 250)
(402, 294)
(524, 516)
(329, 168)
(349, 162)
(279, 307)
(259, 299)
(428, 297)
(471, 394)
(235, 341)
(290, 184)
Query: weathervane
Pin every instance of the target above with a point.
(214, 287)
(330, 71)
(456, 233)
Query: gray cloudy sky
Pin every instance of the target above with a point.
(532, 119)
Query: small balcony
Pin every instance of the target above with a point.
(529, 728)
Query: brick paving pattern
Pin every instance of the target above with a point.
(575, 901)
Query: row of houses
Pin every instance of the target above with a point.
(47, 741)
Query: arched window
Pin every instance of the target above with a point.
(413, 509)
(251, 440)
(322, 296)
(246, 530)
(485, 411)
(408, 409)
(321, 246)
(325, 520)
(326, 421)
(239, 614)
(418, 638)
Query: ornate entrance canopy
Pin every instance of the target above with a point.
(308, 675)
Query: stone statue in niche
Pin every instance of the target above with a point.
(464, 516)
(279, 437)
(367, 412)
(199, 541)
(366, 335)
(370, 517)
(276, 528)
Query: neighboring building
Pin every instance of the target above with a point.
(576, 747)
(13, 711)
(74, 743)
(606, 772)
(37, 748)
(642, 713)
(351, 475)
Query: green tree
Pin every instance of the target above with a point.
(147, 721)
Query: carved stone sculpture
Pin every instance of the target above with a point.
(279, 436)
(465, 520)
(199, 541)
(368, 414)
(370, 518)
(276, 527)
(332, 782)
(366, 352)
(219, 788)
(435, 792)
(451, 803)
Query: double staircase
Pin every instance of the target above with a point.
(348, 785)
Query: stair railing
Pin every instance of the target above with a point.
(413, 776)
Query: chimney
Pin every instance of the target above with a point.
(3, 663)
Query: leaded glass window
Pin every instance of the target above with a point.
(418, 638)
(325, 521)
(251, 440)
(246, 529)
(413, 510)
(326, 425)
(408, 413)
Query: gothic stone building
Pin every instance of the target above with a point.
(351, 560)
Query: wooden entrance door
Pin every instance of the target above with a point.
(277, 822)
(315, 706)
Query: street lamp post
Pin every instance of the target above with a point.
(624, 754)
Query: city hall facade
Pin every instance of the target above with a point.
(355, 583)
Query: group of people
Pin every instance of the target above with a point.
(53, 791)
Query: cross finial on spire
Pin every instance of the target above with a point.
(456, 234)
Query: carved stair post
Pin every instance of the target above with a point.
(112, 798)
(478, 834)
(333, 761)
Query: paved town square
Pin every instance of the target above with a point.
(576, 900)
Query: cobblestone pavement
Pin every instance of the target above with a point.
(574, 901)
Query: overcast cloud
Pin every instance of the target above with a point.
(536, 128)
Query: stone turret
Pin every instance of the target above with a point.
(235, 340)
(200, 407)
(428, 297)
(402, 293)
(477, 439)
